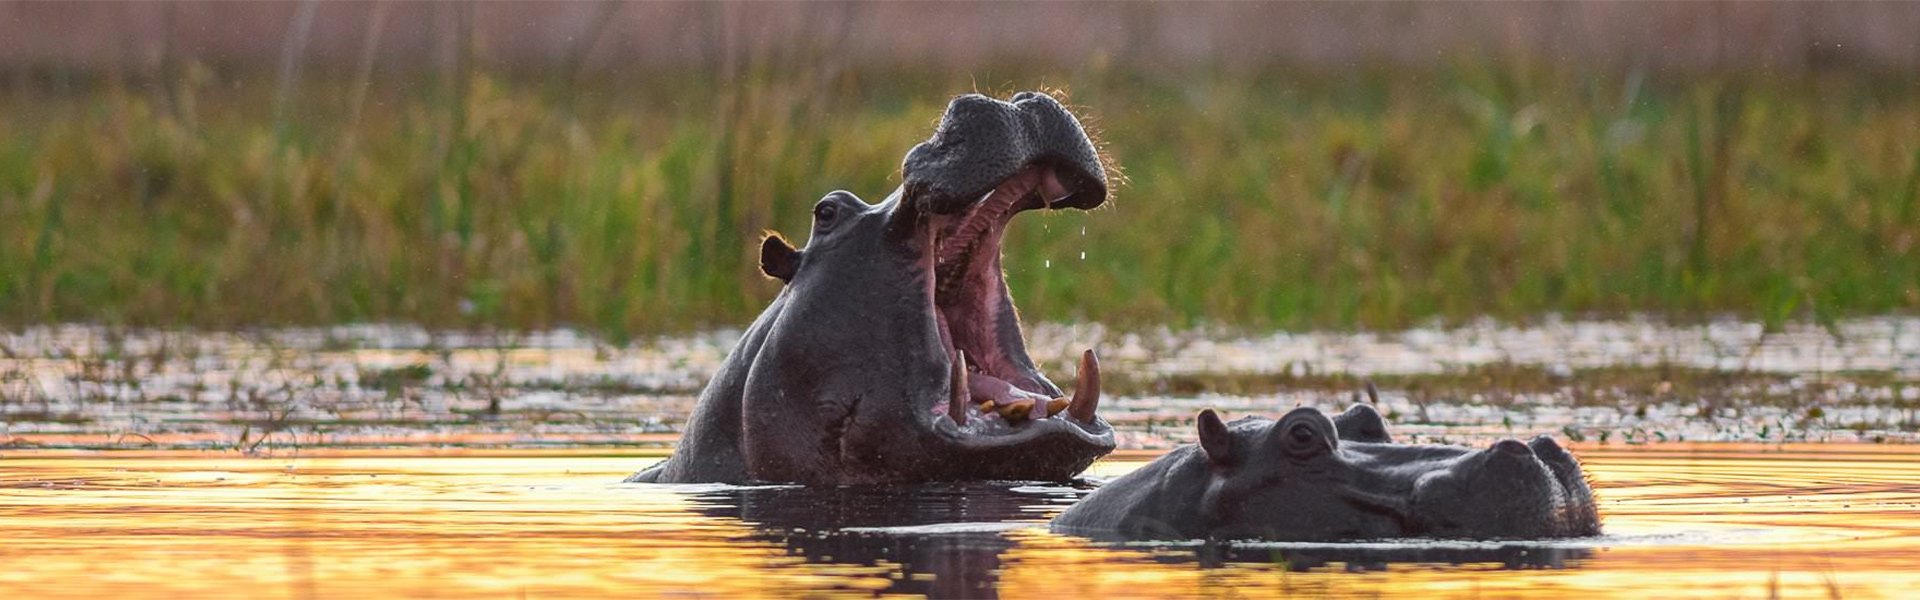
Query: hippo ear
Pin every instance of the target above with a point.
(1215, 439)
(778, 259)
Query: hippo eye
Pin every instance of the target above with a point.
(1303, 441)
(824, 212)
(1301, 434)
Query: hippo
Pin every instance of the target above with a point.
(1310, 478)
(893, 352)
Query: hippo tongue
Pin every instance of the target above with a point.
(993, 394)
(985, 388)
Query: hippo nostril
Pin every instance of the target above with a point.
(1547, 448)
(1514, 447)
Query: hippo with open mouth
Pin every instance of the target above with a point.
(894, 353)
(1309, 478)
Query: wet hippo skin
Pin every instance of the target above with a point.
(894, 353)
(1306, 477)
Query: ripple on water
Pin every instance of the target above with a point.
(1708, 520)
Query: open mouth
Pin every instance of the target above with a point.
(993, 379)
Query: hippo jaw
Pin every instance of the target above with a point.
(960, 195)
(996, 398)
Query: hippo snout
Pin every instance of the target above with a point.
(1508, 463)
(982, 142)
(1502, 491)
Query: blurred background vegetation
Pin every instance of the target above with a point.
(454, 185)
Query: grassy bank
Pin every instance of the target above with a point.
(1264, 200)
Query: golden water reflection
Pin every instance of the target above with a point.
(1700, 520)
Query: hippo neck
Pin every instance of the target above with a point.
(849, 366)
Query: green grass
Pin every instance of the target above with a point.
(1264, 199)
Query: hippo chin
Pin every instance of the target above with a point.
(1306, 477)
(894, 353)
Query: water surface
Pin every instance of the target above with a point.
(277, 390)
(394, 461)
(1711, 520)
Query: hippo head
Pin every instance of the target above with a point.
(1306, 477)
(894, 353)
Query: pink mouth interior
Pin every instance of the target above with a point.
(968, 285)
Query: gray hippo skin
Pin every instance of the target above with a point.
(894, 353)
(1306, 477)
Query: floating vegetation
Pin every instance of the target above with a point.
(1632, 382)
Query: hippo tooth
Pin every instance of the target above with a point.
(1056, 405)
(957, 396)
(1086, 391)
(1018, 411)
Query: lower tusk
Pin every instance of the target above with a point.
(1086, 391)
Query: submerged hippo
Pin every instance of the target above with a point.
(894, 352)
(1306, 477)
